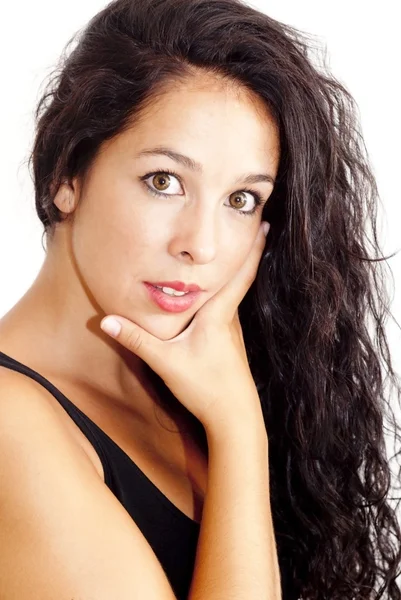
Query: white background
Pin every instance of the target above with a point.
(363, 51)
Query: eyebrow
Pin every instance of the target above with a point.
(197, 167)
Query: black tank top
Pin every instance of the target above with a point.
(172, 535)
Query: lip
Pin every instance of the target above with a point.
(172, 304)
(179, 286)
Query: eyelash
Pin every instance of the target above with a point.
(250, 213)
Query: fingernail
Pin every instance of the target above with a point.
(266, 227)
(111, 326)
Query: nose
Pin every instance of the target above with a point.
(196, 233)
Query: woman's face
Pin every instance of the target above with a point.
(202, 230)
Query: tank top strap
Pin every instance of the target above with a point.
(86, 425)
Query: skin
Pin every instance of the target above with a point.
(118, 235)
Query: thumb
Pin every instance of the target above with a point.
(142, 343)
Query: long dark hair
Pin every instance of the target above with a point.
(313, 319)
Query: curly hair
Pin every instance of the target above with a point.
(313, 319)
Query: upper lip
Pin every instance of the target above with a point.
(180, 286)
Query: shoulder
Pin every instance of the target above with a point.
(60, 524)
(22, 398)
(30, 413)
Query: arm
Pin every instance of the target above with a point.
(63, 535)
(236, 555)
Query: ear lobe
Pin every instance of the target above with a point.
(65, 198)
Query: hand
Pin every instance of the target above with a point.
(206, 365)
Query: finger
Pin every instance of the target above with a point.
(224, 304)
(142, 343)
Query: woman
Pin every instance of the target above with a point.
(229, 443)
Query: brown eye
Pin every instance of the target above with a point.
(237, 200)
(163, 181)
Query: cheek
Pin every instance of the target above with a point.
(112, 256)
(235, 256)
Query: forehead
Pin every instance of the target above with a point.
(209, 118)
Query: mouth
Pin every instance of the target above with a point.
(171, 303)
(178, 286)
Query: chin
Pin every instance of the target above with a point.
(166, 326)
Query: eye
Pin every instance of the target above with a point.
(161, 182)
(257, 198)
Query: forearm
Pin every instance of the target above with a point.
(236, 554)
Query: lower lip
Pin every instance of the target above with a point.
(173, 304)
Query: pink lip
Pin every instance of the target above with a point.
(180, 286)
(170, 303)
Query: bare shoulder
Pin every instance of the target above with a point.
(60, 525)
(26, 390)
(22, 402)
(25, 407)
(20, 391)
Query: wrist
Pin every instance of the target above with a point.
(236, 427)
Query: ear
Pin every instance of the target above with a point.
(66, 198)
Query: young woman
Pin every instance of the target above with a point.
(228, 442)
